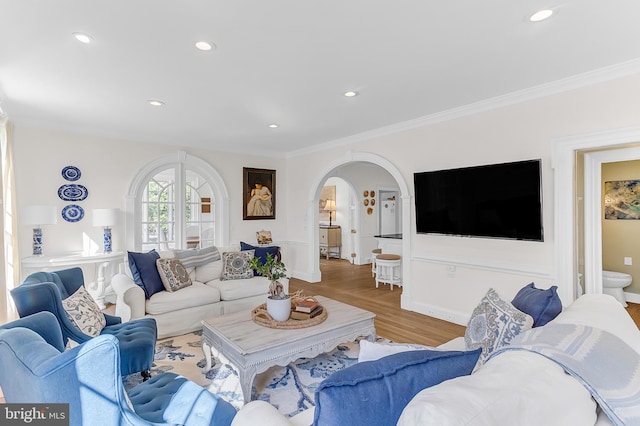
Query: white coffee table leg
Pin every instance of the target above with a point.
(246, 382)
(372, 335)
(206, 349)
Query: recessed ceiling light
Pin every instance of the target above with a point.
(83, 38)
(350, 94)
(541, 15)
(155, 102)
(203, 45)
(273, 126)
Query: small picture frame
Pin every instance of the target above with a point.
(259, 194)
(264, 237)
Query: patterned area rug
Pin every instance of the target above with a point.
(290, 389)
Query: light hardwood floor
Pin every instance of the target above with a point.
(353, 284)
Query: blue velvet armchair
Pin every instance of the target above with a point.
(45, 291)
(87, 377)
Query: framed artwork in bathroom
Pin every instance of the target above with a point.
(622, 200)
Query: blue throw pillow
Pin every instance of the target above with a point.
(261, 252)
(375, 392)
(145, 272)
(541, 305)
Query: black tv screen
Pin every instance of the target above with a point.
(490, 201)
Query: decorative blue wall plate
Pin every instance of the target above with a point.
(72, 213)
(72, 192)
(71, 173)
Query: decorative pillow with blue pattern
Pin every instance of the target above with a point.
(84, 312)
(493, 324)
(235, 265)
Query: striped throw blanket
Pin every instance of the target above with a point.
(605, 365)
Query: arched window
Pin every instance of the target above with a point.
(176, 203)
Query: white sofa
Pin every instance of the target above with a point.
(514, 387)
(182, 311)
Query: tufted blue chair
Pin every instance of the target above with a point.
(87, 378)
(44, 291)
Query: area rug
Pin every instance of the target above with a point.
(290, 389)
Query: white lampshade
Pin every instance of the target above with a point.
(330, 205)
(39, 215)
(105, 217)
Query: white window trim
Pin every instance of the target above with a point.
(180, 160)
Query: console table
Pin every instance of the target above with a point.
(330, 238)
(98, 288)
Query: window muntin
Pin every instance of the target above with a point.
(177, 211)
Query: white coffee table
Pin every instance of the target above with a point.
(253, 349)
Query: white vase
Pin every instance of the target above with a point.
(279, 309)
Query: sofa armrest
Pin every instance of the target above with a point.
(130, 298)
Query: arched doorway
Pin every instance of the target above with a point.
(405, 197)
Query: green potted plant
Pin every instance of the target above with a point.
(278, 302)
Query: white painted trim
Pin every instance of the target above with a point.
(592, 227)
(600, 75)
(564, 152)
(180, 158)
(632, 297)
(501, 267)
(433, 311)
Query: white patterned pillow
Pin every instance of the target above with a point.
(235, 265)
(493, 324)
(84, 312)
(173, 274)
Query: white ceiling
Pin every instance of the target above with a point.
(288, 62)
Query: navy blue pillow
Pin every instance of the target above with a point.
(542, 305)
(375, 392)
(261, 252)
(145, 272)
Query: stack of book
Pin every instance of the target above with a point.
(306, 309)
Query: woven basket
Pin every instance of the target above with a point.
(260, 316)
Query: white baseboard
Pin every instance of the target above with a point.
(632, 297)
(443, 314)
(304, 276)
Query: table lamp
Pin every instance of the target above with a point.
(38, 216)
(106, 218)
(331, 207)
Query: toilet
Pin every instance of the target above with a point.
(614, 282)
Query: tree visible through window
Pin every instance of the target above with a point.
(176, 211)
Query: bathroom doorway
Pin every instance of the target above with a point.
(600, 166)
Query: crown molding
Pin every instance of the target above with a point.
(578, 81)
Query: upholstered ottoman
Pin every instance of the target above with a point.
(137, 340)
(151, 399)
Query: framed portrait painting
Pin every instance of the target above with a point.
(259, 194)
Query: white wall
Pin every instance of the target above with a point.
(108, 167)
(517, 132)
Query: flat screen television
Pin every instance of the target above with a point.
(490, 201)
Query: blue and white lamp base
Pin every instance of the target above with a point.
(37, 241)
(107, 240)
